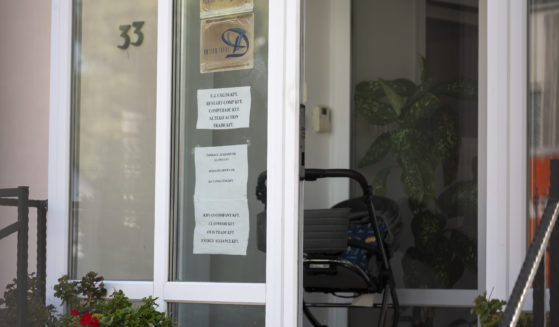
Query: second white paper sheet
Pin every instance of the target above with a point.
(220, 200)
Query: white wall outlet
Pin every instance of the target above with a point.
(322, 120)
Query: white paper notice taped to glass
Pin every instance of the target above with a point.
(220, 200)
(227, 108)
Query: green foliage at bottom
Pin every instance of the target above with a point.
(490, 311)
(86, 305)
(38, 315)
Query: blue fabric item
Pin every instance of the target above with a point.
(366, 234)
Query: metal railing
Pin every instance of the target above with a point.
(19, 197)
(533, 268)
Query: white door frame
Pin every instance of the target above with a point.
(502, 164)
(503, 66)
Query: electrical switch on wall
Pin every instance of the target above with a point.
(322, 120)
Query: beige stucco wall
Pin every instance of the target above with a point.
(24, 111)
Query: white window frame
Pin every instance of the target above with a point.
(506, 127)
(281, 292)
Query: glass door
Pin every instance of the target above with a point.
(233, 131)
(220, 146)
(415, 137)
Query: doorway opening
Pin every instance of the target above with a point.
(391, 91)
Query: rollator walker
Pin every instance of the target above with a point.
(346, 248)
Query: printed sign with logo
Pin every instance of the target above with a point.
(212, 8)
(227, 43)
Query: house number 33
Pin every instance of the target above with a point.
(137, 30)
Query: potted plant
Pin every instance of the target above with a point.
(39, 316)
(87, 304)
(490, 311)
(420, 132)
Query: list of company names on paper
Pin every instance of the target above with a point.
(227, 108)
(220, 200)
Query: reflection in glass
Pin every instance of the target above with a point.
(415, 131)
(543, 103)
(422, 316)
(194, 263)
(217, 315)
(113, 138)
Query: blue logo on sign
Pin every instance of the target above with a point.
(237, 39)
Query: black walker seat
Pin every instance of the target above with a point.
(341, 248)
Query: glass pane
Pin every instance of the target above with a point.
(113, 138)
(415, 131)
(217, 315)
(543, 103)
(419, 316)
(219, 139)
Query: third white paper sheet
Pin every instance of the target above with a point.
(220, 200)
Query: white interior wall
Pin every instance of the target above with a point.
(24, 105)
(327, 74)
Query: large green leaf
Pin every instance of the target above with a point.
(459, 199)
(404, 144)
(441, 261)
(417, 274)
(373, 89)
(462, 88)
(422, 109)
(421, 90)
(395, 100)
(418, 180)
(447, 146)
(450, 168)
(408, 141)
(379, 182)
(369, 89)
(427, 227)
(369, 99)
(404, 87)
(421, 64)
(465, 248)
(376, 112)
(455, 270)
(413, 152)
(412, 180)
(377, 151)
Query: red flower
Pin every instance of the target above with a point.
(94, 322)
(74, 312)
(85, 319)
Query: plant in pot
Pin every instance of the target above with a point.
(87, 304)
(490, 312)
(420, 131)
(38, 314)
